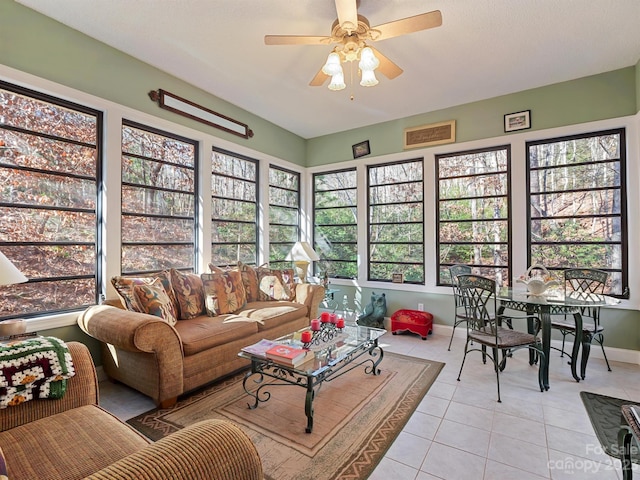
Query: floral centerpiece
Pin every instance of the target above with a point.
(537, 279)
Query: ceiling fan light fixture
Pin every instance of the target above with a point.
(368, 79)
(368, 60)
(332, 66)
(337, 81)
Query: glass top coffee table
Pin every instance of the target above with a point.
(330, 356)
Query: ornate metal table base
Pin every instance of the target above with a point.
(266, 373)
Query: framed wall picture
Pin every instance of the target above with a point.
(517, 121)
(361, 149)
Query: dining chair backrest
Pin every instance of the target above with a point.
(585, 280)
(459, 269)
(480, 302)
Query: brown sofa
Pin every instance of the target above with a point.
(73, 438)
(164, 361)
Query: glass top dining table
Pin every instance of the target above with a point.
(552, 302)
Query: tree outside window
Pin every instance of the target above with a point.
(473, 216)
(396, 221)
(577, 210)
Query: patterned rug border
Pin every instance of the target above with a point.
(358, 464)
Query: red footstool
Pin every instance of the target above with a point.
(413, 320)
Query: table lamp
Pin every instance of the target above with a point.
(301, 255)
(9, 275)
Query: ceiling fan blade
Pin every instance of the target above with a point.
(319, 79)
(347, 14)
(295, 40)
(409, 25)
(387, 67)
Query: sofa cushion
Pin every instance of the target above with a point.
(189, 293)
(72, 444)
(269, 314)
(202, 333)
(124, 288)
(154, 300)
(250, 281)
(224, 292)
(272, 285)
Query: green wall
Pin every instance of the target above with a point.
(33, 43)
(622, 326)
(598, 97)
(38, 45)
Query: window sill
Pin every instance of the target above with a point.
(52, 321)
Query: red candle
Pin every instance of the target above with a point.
(306, 336)
(324, 317)
(333, 317)
(340, 323)
(315, 324)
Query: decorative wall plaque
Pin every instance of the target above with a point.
(427, 135)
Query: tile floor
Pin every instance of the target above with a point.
(459, 431)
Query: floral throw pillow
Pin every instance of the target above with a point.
(250, 281)
(224, 292)
(272, 285)
(124, 288)
(154, 300)
(189, 293)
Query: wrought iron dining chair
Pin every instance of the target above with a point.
(485, 330)
(460, 315)
(584, 281)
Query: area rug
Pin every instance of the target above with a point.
(356, 418)
(605, 415)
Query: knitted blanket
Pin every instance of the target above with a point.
(33, 368)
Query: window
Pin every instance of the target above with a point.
(234, 207)
(473, 213)
(577, 208)
(158, 200)
(284, 214)
(50, 161)
(396, 221)
(335, 227)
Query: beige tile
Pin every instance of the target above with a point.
(500, 471)
(470, 415)
(576, 443)
(464, 437)
(564, 466)
(519, 454)
(520, 428)
(422, 425)
(450, 463)
(435, 406)
(409, 449)
(389, 469)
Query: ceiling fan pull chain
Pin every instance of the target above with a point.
(351, 79)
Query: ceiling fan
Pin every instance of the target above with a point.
(350, 34)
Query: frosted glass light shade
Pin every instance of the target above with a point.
(368, 60)
(337, 82)
(368, 78)
(332, 67)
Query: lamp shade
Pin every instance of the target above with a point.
(333, 64)
(302, 251)
(337, 82)
(9, 274)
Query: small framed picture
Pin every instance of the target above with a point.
(517, 121)
(397, 278)
(361, 149)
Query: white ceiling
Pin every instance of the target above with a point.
(484, 48)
